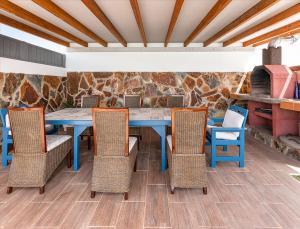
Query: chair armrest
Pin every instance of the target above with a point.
(226, 129)
(216, 120)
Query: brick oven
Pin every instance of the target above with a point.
(269, 85)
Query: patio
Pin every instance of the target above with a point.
(262, 195)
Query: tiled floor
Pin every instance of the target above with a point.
(262, 195)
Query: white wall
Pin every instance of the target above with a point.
(17, 66)
(226, 61)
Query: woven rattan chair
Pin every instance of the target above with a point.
(134, 101)
(36, 155)
(186, 156)
(175, 101)
(115, 152)
(89, 101)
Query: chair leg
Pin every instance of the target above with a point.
(81, 137)
(242, 156)
(93, 194)
(140, 137)
(9, 190)
(125, 195)
(205, 190)
(135, 165)
(138, 143)
(69, 159)
(42, 189)
(172, 190)
(89, 142)
(225, 148)
(213, 155)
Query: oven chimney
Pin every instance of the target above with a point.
(271, 56)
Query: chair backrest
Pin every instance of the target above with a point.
(175, 101)
(110, 131)
(89, 101)
(189, 130)
(132, 101)
(28, 130)
(241, 111)
(3, 113)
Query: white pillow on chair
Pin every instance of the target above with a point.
(233, 119)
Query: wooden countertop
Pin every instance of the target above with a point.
(256, 98)
(290, 104)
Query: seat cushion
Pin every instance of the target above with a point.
(223, 135)
(55, 140)
(233, 119)
(132, 141)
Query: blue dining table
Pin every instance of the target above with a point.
(81, 118)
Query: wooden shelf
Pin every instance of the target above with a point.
(263, 115)
(290, 104)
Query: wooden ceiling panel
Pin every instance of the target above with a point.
(24, 14)
(265, 24)
(217, 9)
(175, 14)
(274, 33)
(252, 12)
(63, 15)
(26, 28)
(98, 12)
(139, 20)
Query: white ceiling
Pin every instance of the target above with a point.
(156, 15)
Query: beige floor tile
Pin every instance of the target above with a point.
(157, 209)
(57, 211)
(54, 187)
(28, 216)
(107, 211)
(131, 215)
(84, 176)
(80, 215)
(155, 176)
(138, 186)
(86, 195)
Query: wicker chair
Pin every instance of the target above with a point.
(175, 101)
(134, 101)
(89, 101)
(36, 155)
(186, 156)
(115, 152)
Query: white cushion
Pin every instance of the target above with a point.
(55, 140)
(169, 140)
(132, 141)
(223, 135)
(233, 119)
(7, 123)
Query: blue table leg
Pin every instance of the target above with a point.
(161, 130)
(4, 148)
(77, 131)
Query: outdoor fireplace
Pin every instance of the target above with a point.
(274, 81)
(270, 84)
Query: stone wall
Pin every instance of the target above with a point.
(198, 87)
(32, 90)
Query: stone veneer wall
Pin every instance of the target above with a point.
(32, 90)
(198, 87)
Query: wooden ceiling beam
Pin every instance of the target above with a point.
(291, 33)
(274, 33)
(98, 12)
(138, 18)
(249, 14)
(26, 15)
(63, 15)
(271, 21)
(175, 14)
(26, 28)
(212, 14)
